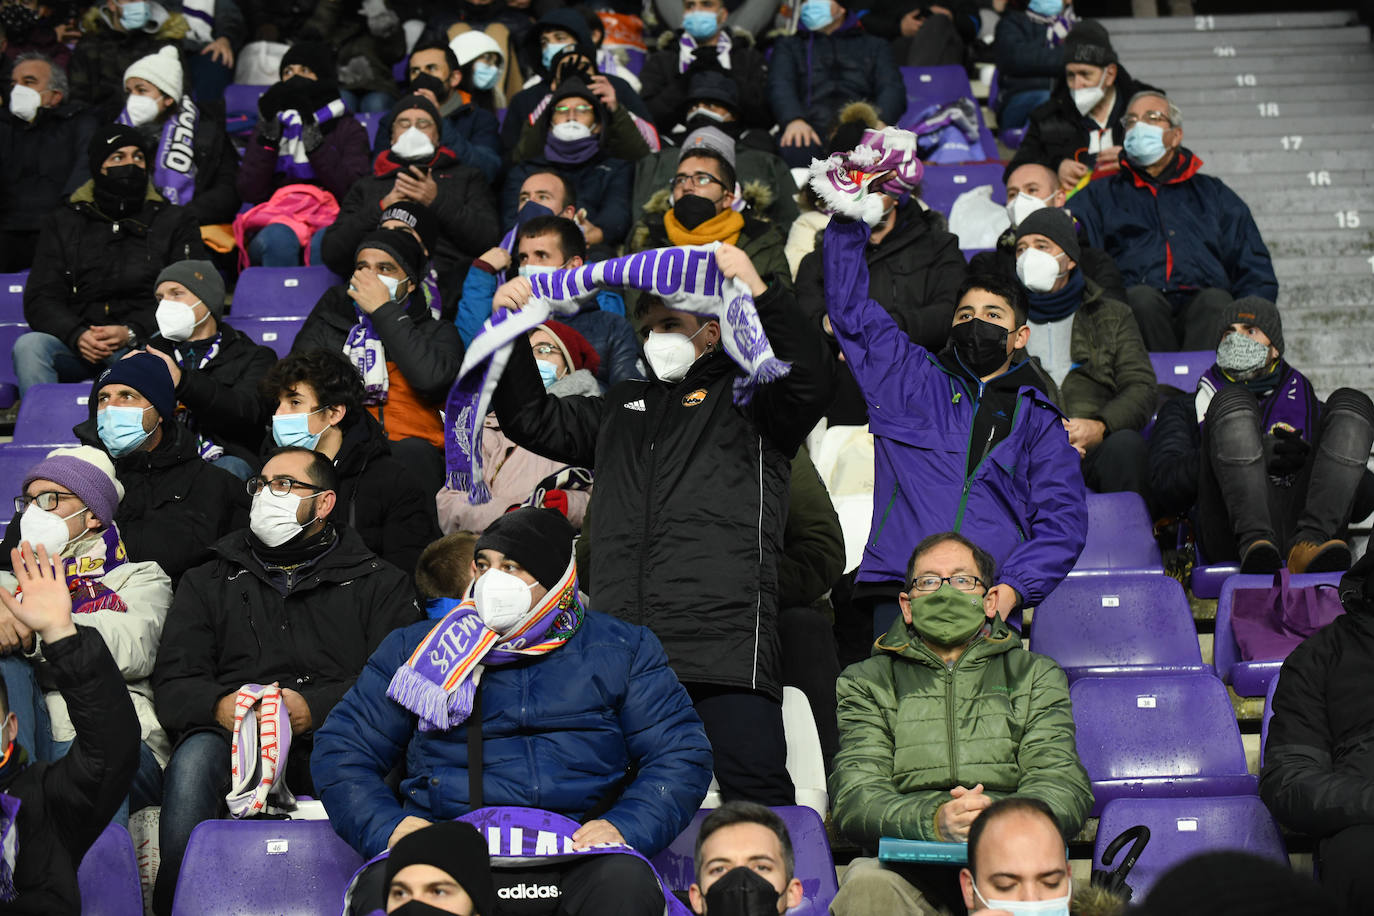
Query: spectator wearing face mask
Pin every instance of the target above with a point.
(326, 601)
(417, 168)
(68, 506)
(1030, 54)
(1089, 351)
(1264, 469)
(516, 476)
(482, 65)
(470, 132)
(1018, 863)
(87, 295)
(38, 28)
(704, 44)
(115, 34)
(1032, 186)
(192, 162)
(593, 148)
(444, 868)
(176, 505)
(42, 134)
(743, 863)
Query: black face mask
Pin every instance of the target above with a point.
(18, 20)
(742, 892)
(980, 345)
(432, 83)
(417, 908)
(691, 211)
(122, 183)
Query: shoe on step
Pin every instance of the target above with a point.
(1261, 556)
(1311, 557)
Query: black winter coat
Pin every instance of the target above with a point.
(42, 163)
(1058, 132)
(96, 70)
(223, 397)
(92, 269)
(175, 505)
(216, 197)
(813, 75)
(230, 624)
(65, 805)
(664, 87)
(1025, 58)
(691, 497)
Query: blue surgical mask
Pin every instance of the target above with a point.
(700, 24)
(1056, 906)
(816, 15)
(1047, 7)
(1145, 144)
(134, 15)
(529, 271)
(293, 429)
(549, 52)
(121, 429)
(547, 371)
(484, 75)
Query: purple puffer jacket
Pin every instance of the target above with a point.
(1024, 503)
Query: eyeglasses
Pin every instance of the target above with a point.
(584, 108)
(697, 179)
(47, 500)
(279, 486)
(544, 349)
(931, 583)
(1157, 118)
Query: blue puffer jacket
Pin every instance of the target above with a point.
(812, 75)
(1023, 503)
(1179, 231)
(600, 717)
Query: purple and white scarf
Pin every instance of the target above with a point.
(174, 168)
(439, 680)
(257, 756)
(430, 287)
(207, 450)
(200, 20)
(687, 50)
(1056, 27)
(686, 278)
(292, 158)
(844, 181)
(365, 351)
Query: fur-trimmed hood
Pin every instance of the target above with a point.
(740, 37)
(757, 194)
(1095, 901)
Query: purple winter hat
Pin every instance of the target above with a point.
(87, 472)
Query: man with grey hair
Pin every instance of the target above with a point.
(1185, 242)
(43, 136)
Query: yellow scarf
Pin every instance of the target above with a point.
(723, 227)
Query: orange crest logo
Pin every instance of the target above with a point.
(694, 398)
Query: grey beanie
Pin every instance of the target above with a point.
(201, 278)
(1261, 313)
(1055, 224)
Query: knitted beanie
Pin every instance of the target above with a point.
(148, 375)
(1258, 312)
(1054, 224)
(577, 351)
(201, 278)
(457, 850)
(541, 540)
(87, 472)
(162, 69)
(401, 246)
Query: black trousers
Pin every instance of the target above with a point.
(1119, 463)
(811, 663)
(1178, 322)
(1344, 859)
(748, 743)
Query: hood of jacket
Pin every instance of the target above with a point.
(567, 20)
(757, 195)
(362, 442)
(739, 37)
(160, 24)
(86, 195)
(1183, 167)
(577, 382)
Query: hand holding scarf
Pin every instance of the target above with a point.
(851, 184)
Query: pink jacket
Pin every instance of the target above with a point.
(305, 208)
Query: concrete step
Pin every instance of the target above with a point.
(1286, 243)
(1329, 301)
(1219, 124)
(1352, 191)
(1128, 44)
(1272, 224)
(1227, 95)
(1263, 156)
(1352, 265)
(1223, 23)
(1326, 378)
(1325, 348)
(1268, 70)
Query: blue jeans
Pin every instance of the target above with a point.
(147, 786)
(366, 103)
(193, 790)
(41, 359)
(234, 465)
(29, 707)
(275, 245)
(1016, 113)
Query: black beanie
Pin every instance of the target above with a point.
(317, 56)
(418, 217)
(1054, 224)
(149, 376)
(541, 540)
(107, 140)
(1236, 884)
(401, 246)
(457, 850)
(406, 102)
(1261, 313)
(1088, 43)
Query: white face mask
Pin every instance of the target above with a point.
(273, 517)
(1023, 205)
(568, 131)
(24, 103)
(412, 145)
(391, 284)
(1086, 99)
(1038, 270)
(1056, 906)
(177, 320)
(536, 270)
(38, 526)
(141, 109)
(502, 599)
(670, 355)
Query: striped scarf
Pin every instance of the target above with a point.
(207, 450)
(292, 158)
(262, 741)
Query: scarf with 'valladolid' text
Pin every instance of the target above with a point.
(262, 741)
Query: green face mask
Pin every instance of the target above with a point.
(947, 616)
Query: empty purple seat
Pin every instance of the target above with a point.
(277, 333)
(942, 184)
(280, 292)
(9, 379)
(1268, 714)
(1120, 537)
(1183, 368)
(1158, 737)
(1251, 678)
(1181, 828)
(293, 868)
(1208, 578)
(108, 876)
(815, 867)
(48, 413)
(15, 461)
(240, 98)
(926, 86)
(371, 122)
(12, 297)
(1134, 623)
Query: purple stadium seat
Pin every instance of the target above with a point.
(1013, 137)
(942, 184)
(108, 876)
(1158, 737)
(1251, 679)
(1268, 714)
(926, 86)
(9, 380)
(1182, 369)
(240, 98)
(1181, 828)
(1120, 537)
(12, 297)
(815, 866)
(15, 460)
(1129, 624)
(1208, 578)
(293, 868)
(277, 333)
(48, 413)
(372, 121)
(280, 292)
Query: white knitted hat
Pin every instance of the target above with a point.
(162, 69)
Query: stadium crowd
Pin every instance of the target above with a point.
(527, 518)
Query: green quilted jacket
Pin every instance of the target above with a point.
(911, 729)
